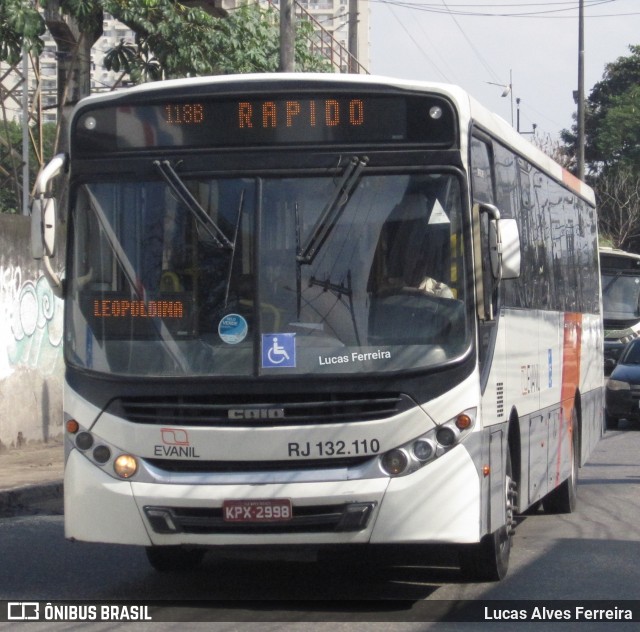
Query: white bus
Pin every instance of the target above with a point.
(620, 272)
(322, 311)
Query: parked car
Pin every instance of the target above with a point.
(622, 396)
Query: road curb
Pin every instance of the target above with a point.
(27, 498)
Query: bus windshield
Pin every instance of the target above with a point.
(244, 276)
(621, 297)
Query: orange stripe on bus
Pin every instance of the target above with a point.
(571, 181)
(571, 347)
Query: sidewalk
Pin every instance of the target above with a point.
(31, 478)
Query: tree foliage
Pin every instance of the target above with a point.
(21, 26)
(612, 149)
(11, 160)
(248, 41)
(619, 200)
(618, 134)
(610, 128)
(554, 149)
(171, 40)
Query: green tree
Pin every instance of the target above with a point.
(172, 40)
(21, 26)
(248, 41)
(611, 129)
(618, 135)
(135, 61)
(11, 160)
(245, 41)
(618, 192)
(612, 149)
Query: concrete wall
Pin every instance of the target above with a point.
(31, 362)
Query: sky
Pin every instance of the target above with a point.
(477, 43)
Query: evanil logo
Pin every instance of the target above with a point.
(175, 443)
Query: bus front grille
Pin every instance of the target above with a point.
(260, 411)
(193, 466)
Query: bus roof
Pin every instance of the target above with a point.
(616, 252)
(468, 108)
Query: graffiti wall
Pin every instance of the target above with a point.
(31, 362)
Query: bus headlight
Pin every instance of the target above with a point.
(102, 454)
(125, 466)
(394, 462)
(415, 454)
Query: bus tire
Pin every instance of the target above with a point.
(167, 559)
(611, 421)
(563, 499)
(488, 561)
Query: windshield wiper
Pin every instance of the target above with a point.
(186, 197)
(332, 210)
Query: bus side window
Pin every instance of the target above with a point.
(481, 172)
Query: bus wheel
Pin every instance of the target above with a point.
(174, 558)
(488, 561)
(563, 498)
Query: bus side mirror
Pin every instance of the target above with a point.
(504, 246)
(43, 222)
(43, 227)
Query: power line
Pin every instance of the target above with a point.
(516, 4)
(541, 13)
(472, 45)
(437, 8)
(436, 49)
(419, 47)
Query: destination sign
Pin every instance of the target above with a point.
(114, 315)
(339, 119)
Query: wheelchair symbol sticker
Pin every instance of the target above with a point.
(278, 350)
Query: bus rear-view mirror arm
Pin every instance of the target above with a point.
(43, 222)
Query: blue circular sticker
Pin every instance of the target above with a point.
(233, 329)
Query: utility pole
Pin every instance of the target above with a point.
(287, 36)
(25, 131)
(580, 99)
(353, 36)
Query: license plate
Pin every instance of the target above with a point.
(261, 510)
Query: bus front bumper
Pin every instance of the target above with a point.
(439, 503)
